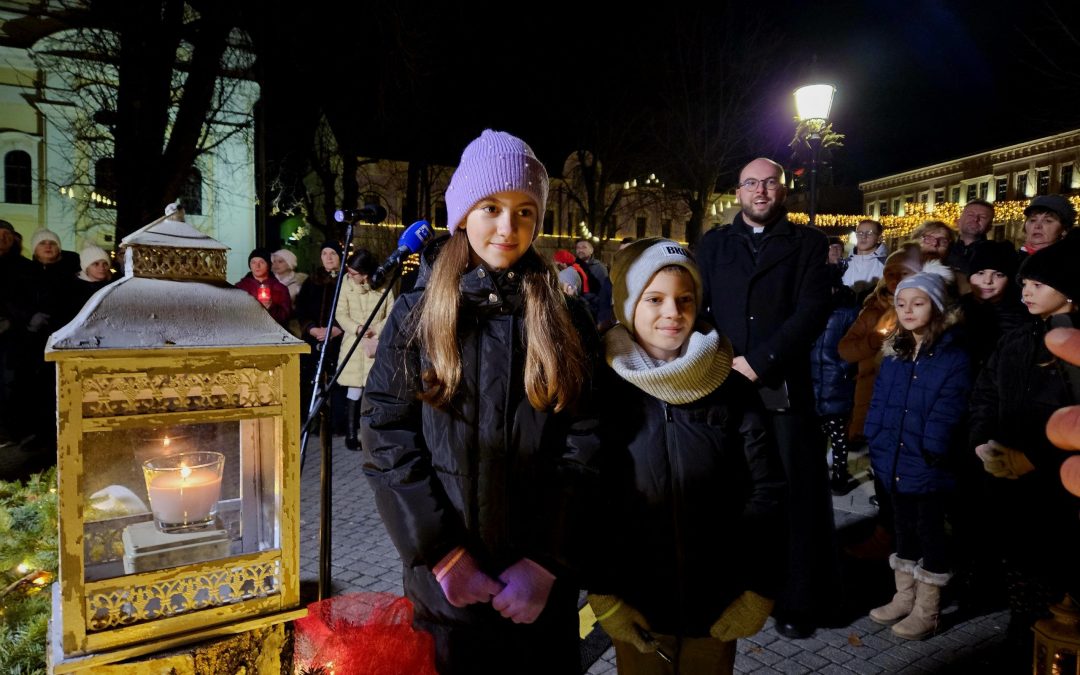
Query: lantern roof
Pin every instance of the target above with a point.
(142, 313)
(173, 295)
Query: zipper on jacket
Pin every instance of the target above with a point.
(676, 517)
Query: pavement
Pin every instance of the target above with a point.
(364, 559)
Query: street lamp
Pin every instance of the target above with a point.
(812, 105)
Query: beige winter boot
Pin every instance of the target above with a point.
(904, 600)
(923, 620)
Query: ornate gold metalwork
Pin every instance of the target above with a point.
(117, 394)
(167, 262)
(122, 605)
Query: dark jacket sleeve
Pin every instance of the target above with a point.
(762, 522)
(280, 303)
(568, 518)
(983, 408)
(795, 335)
(411, 501)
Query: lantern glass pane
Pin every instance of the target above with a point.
(160, 496)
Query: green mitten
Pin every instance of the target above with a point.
(744, 617)
(621, 621)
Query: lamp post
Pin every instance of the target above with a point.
(812, 105)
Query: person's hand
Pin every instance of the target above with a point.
(317, 333)
(745, 616)
(621, 622)
(370, 345)
(1063, 429)
(462, 582)
(1002, 462)
(740, 364)
(526, 592)
(335, 332)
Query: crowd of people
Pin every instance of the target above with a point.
(658, 434)
(667, 434)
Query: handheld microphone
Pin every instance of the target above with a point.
(411, 240)
(370, 213)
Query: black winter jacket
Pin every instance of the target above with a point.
(1017, 391)
(694, 501)
(490, 473)
(771, 301)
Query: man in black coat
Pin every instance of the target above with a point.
(767, 289)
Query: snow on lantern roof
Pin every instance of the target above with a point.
(141, 313)
(173, 249)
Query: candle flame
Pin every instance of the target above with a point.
(184, 471)
(166, 442)
(23, 568)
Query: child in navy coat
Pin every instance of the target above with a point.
(916, 413)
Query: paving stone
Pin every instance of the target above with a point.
(812, 661)
(863, 667)
(792, 667)
(835, 655)
(786, 648)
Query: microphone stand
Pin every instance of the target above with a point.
(319, 404)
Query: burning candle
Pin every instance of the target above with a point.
(264, 293)
(184, 489)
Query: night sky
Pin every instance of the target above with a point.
(917, 82)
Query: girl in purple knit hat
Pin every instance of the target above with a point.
(473, 443)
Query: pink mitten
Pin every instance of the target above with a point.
(526, 593)
(462, 582)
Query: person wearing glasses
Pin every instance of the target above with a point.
(767, 289)
(866, 263)
(973, 224)
(934, 238)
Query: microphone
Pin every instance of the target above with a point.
(411, 240)
(370, 213)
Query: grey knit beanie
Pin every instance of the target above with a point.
(495, 162)
(635, 266)
(931, 280)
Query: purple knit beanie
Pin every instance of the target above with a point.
(495, 162)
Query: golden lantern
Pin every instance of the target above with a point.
(178, 469)
(1057, 641)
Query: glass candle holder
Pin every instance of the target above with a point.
(184, 489)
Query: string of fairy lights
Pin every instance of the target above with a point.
(916, 213)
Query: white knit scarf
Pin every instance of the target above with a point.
(697, 372)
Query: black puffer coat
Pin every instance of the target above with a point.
(490, 472)
(694, 504)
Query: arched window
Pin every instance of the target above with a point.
(191, 195)
(18, 188)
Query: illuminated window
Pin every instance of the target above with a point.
(1021, 185)
(972, 191)
(17, 186)
(939, 196)
(984, 189)
(1001, 189)
(955, 194)
(1042, 181)
(1066, 177)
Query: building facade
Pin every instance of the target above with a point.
(1015, 173)
(56, 159)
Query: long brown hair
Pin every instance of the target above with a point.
(554, 356)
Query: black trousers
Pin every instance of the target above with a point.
(812, 567)
(920, 530)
